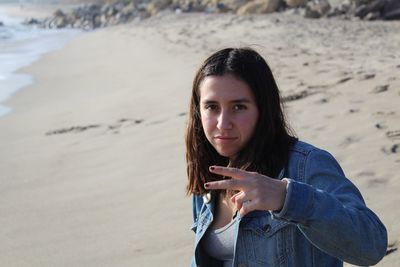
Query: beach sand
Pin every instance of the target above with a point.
(92, 155)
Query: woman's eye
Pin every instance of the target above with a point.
(211, 107)
(239, 107)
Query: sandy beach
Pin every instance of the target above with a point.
(92, 155)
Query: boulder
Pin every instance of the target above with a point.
(32, 21)
(317, 8)
(295, 3)
(391, 10)
(363, 10)
(341, 9)
(378, 9)
(259, 7)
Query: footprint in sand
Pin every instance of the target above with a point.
(343, 80)
(320, 86)
(376, 182)
(391, 149)
(366, 173)
(73, 129)
(380, 125)
(393, 134)
(366, 76)
(392, 247)
(323, 101)
(372, 181)
(380, 88)
(122, 123)
(113, 127)
(155, 122)
(296, 96)
(354, 110)
(349, 140)
(383, 113)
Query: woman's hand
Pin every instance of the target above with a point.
(257, 191)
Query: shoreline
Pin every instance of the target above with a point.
(22, 46)
(93, 154)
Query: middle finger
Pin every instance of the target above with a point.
(225, 184)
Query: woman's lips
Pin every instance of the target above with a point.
(225, 139)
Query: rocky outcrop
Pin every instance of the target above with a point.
(97, 15)
(92, 16)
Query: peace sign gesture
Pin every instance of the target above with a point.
(256, 191)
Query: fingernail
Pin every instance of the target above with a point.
(212, 168)
(206, 185)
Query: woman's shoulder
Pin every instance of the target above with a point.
(301, 148)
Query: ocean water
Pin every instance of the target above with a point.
(20, 46)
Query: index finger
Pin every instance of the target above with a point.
(224, 184)
(230, 172)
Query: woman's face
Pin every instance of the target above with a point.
(229, 113)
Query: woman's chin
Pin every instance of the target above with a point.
(227, 154)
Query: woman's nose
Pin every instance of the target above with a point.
(224, 121)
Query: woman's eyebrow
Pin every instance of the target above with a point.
(235, 101)
(209, 102)
(241, 100)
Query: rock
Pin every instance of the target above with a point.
(151, 9)
(343, 8)
(317, 8)
(162, 4)
(60, 20)
(394, 14)
(259, 7)
(378, 9)
(372, 16)
(391, 10)
(373, 7)
(296, 3)
(32, 21)
(59, 13)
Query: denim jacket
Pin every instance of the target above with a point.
(324, 220)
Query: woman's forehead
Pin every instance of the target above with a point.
(224, 87)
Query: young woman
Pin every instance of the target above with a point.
(260, 196)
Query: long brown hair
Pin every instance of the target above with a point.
(267, 151)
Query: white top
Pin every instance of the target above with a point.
(220, 243)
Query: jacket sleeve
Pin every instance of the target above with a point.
(331, 213)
